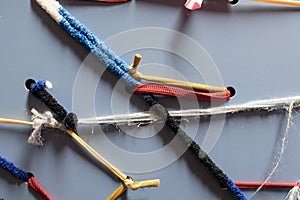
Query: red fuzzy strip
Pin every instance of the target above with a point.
(253, 185)
(182, 93)
(37, 188)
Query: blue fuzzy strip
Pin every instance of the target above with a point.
(112, 56)
(77, 35)
(80, 27)
(71, 24)
(39, 85)
(17, 172)
(111, 65)
(115, 65)
(235, 190)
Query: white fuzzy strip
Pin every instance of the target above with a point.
(51, 7)
(293, 194)
(282, 147)
(146, 117)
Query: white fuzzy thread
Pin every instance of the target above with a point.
(282, 147)
(51, 7)
(294, 194)
(147, 118)
(39, 121)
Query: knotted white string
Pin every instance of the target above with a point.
(39, 122)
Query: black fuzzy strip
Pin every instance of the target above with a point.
(60, 114)
(162, 112)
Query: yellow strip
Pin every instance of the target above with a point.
(13, 121)
(96, 155)
(125, 179)
(138, 75)
(134, 185)
(118, 192)
(185, 84)
(281, 2)
(142, 184)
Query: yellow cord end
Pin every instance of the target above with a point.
(142, 184)
(133, 67)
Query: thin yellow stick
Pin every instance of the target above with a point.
(138, 75)
(126, 181)
(80, 141)
(118, 192)
(185, 84)
(96, 155)
(13, 121)
(281, 2)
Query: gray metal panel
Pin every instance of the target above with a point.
(255, 47)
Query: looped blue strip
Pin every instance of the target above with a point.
(17, 172)
(235, 190)
(77, 35)
(121, 63)
(104, 56)
(76, 24)
(91, 42)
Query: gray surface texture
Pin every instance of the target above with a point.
(255, 47)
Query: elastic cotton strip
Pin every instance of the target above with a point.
(224, 182)
(77, 25)
(93, 39)
(269, 105)
(117, 68)
(103, 56)
(14, 170)
(252, 185)
(37, 188)
(24, 176)
(282, 146)
(294, 193)
(181, 93)
(173, 82)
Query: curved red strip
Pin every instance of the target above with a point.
(38, 189)
(182, 93)
(253, 185)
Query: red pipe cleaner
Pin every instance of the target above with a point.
(252, 185)
(37, 188)
(182, 93)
